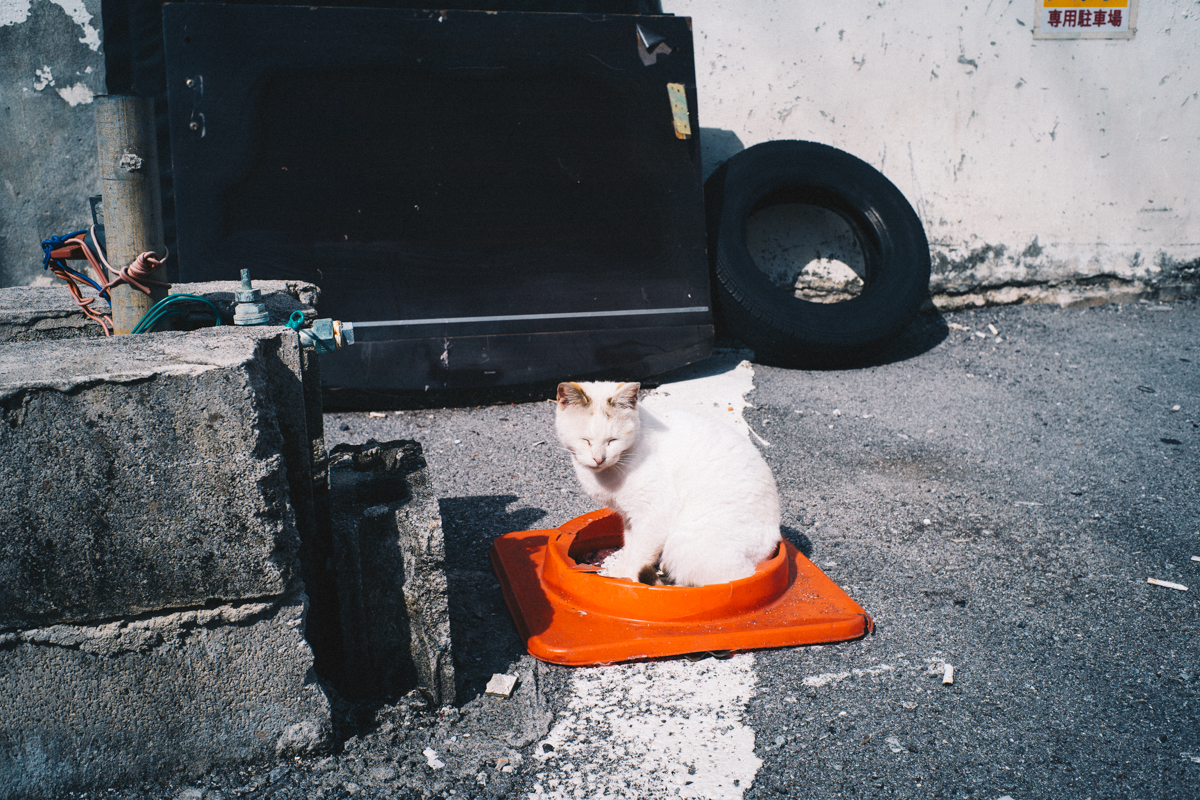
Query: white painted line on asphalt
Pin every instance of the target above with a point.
(654, 730)
(665, 728)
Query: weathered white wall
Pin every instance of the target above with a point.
(51, 66)
(1053, 170)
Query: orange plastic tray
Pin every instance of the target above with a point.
(568, 614)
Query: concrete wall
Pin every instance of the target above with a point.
(1030, 162)
(51, 66)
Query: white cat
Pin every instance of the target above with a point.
(696, 496)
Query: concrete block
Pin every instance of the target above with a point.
(38, 313)
(157, 697)
(150, 472)
(387, 536)
(280, 297)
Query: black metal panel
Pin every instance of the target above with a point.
(447, 174)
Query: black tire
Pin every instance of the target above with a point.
(790, 331)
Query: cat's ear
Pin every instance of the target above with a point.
(626, 396)
(572, 394)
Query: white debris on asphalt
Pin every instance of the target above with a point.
(894, 744)
(995, 331)
(653, 730)
(1176, 408)
(948, 675)
(954, 326)
(1167, 584)
(377, 415)
(431, 757)
(1195, 558)
(826, 678)
(501, 685)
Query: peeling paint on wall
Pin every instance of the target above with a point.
(79, 94)
(16, 12)
(79, 14)
(47, 126)
(44, 77)
(13, 12)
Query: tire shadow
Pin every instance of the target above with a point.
(926, 331)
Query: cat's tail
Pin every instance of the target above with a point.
(650, 576)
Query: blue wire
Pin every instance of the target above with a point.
(53, 242)
(82, 277)
(57, 241)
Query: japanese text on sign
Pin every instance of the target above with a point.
(1085, 19)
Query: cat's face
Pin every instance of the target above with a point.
(597, 422)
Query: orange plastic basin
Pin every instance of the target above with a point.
(568, 614)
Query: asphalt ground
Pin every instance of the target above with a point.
(995, 492)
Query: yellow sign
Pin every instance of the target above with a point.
(1085, 3)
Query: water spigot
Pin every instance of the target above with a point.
(250, 309)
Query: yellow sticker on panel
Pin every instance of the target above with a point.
(679, 110)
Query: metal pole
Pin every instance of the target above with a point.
(128, 152)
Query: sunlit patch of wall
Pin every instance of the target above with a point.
(1059, 171)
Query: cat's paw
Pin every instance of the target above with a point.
(617, 566)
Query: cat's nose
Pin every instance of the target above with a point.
(598, 459)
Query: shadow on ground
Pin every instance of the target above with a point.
(924, 333)
(801, 542)
(482, 633)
